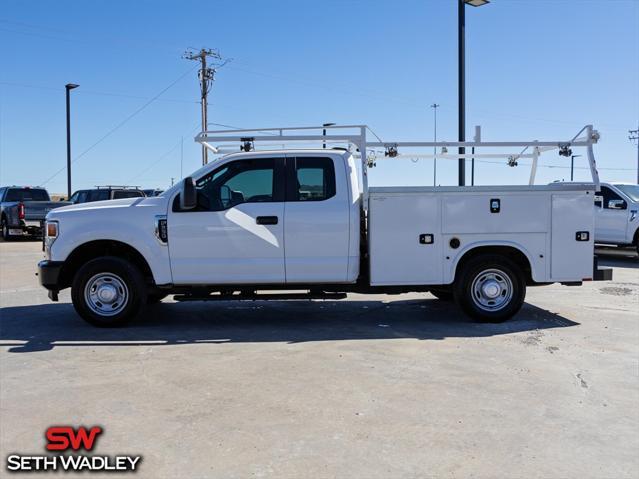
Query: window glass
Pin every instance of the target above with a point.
(27, 194)
(631, 190)
(606, 195)
(244, 181)
(119, 194)
(315, 179)
(97, 195)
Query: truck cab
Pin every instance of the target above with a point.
(616, 211)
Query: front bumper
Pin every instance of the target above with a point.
(49, 274)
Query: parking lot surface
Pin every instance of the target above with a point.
(371, 387)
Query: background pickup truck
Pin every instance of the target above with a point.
(616, 215)
(23, 209)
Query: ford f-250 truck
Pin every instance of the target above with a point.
(23, 209)
(305, 219)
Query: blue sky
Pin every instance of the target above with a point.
(536, 69)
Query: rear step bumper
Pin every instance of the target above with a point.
(258, 297)
(601, 273)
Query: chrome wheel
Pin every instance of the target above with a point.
(492, 290)
(106, 294)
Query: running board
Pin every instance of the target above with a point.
(258, 297)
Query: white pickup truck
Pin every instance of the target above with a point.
(616, 215)
(305, 220)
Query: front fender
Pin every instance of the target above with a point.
(134, 226)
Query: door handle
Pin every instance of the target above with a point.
(266, 220)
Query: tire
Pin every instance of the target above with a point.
(442, 294)
(490, 288)
(155, 298)
(6, 236)
(108, 291)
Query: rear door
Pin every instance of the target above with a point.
(317, 226)
(236, 233)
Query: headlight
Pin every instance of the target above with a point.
(52, 229)
(51, 232)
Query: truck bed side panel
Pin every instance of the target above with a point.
(572, 260)
(397, 256)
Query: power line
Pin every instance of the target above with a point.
(94, 92)
(163, 155)
(119, 125)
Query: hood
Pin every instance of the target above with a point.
(109, 206)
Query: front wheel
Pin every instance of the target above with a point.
(490, 288)
(108, 291)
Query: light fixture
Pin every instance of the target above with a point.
(476, 3)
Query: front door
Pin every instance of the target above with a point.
(236, 233)
(611, 219)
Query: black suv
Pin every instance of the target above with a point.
(102, 193)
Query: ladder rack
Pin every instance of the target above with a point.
(354, 138)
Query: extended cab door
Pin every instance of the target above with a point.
(236, 233)
(317, 219)
(611, 216)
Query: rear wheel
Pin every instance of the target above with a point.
(108, 291)
(6, 235)
(490, 288)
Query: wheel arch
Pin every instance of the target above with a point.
(515, 253)
(94, 249)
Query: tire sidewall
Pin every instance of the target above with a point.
(463, 288)
(6, 236)
(127, 272)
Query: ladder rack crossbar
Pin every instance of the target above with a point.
(333, 134)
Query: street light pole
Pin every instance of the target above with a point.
(461, 88)
(434, 106)
(325, 125)
(461, 80)
(68, 87)
(572, 166)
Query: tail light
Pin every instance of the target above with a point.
(20, 211)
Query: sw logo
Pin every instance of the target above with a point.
(62, 438)
(65, 441)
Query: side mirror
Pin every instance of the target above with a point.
(225, 196)
(188, 194)
(617, 205)
(62, 198)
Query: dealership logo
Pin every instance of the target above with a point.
(66, 441)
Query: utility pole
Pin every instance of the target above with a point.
(634, 136)
(68, 87)
(206, 75)
(434, 106)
